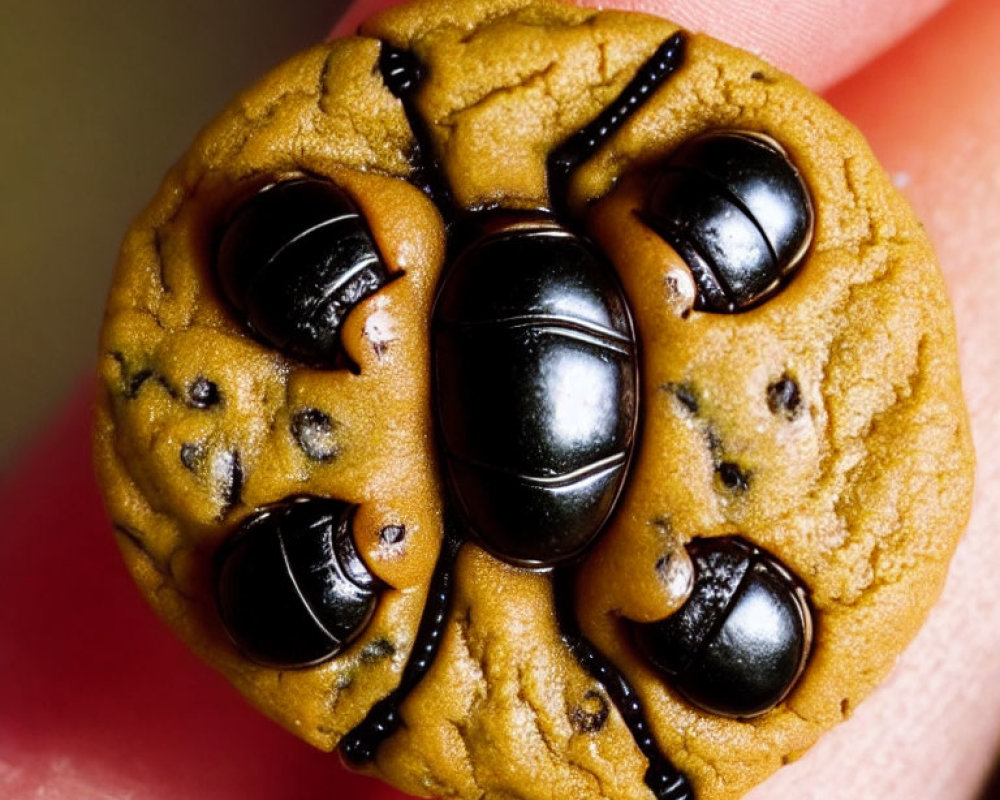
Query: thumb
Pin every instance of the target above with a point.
(819, 42)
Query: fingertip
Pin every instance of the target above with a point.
(820, 42)
(357, 13)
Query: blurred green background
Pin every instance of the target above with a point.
(98, 99)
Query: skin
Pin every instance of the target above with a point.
(99, 701)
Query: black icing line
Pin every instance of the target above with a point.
(664, 780)
(361, 744)
(578, 148)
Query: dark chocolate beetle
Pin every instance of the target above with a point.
(294, 260)
(536, 395)
(736, 210)
(740, 642)
(530, 320)
(316, 604)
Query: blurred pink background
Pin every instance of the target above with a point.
(99, 98)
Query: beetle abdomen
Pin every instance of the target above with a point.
(294, 260)
(737, 210)
(536, 391)
(291, 588)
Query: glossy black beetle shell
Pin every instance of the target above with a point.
(536, 389)
(293, 260)
(290, 586)
(741, 641)
(737, 211)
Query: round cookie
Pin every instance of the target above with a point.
(822, 425)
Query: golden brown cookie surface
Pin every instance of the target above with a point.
(860, 486)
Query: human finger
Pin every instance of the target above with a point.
(932, 730)
(818, 42)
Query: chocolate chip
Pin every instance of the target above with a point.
(202, 393)
(784, 397)
(192, 455)
(291, 587)
(592, 713)
(314, 433)
(684, 393)
(294, 260)
(392, 534)
(732, 477)
(227, 475)
(508, 317)
(377, 650)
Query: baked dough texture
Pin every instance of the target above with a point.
(862, 489)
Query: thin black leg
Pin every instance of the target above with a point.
(402, 74)
(567, 157)
(360, 744)
(662, 777)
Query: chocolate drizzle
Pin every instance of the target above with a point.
(402, 74)
(664, 780)
(567, 157)
(360, 744)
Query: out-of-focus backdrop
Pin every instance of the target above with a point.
(97, 99)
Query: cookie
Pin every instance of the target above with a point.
(526, 401)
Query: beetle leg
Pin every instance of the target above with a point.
(402, 74)
(360, 744)
(573, 152)
(664, 780)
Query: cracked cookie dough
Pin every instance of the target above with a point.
(795, 436)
